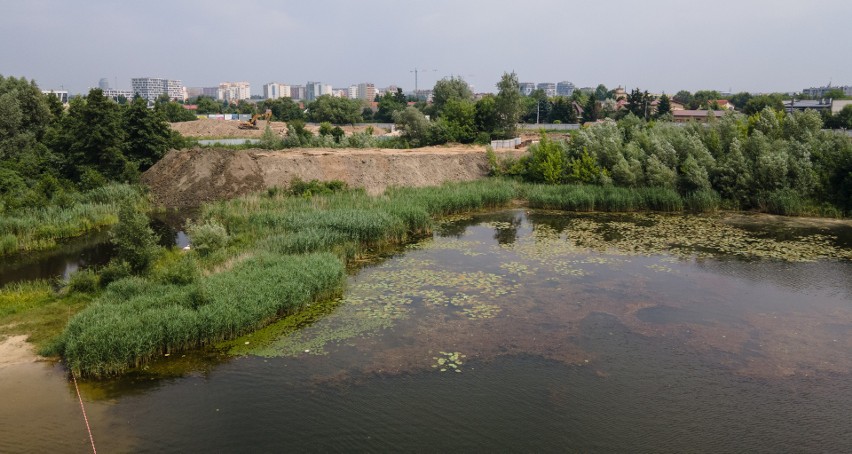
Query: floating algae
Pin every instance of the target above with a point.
(518, 294)
(448, 361)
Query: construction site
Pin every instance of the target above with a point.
(190, 177)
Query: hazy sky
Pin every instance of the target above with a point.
(658, 45)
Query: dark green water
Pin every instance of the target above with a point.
(571, 334)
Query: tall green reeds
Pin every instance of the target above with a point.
(602, 198)
(42, 228)
(137, 319)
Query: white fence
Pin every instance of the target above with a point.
(548, 126)
(510, 143)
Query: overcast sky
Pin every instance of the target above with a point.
(658, 45)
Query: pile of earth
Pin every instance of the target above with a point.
(206, 128)
(190, 177)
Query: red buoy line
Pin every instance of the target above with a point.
(85, 418)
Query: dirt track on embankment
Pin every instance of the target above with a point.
(185, 178)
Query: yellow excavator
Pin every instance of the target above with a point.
(252, 124)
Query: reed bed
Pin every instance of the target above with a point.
(602, 198)
(42, 228)
(137, 319)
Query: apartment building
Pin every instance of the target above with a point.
(275, 90)
(233, 91)
(151, 88)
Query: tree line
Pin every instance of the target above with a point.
(48, 151)
(771, 161)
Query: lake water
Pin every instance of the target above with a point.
(517, 330)
(89, 251)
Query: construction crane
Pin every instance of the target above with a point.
(252, 124)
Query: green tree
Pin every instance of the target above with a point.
(562, 110)
(172, 111)
(548, 161)
(601, 92)
(536, 107)
(148, 133)
(485, 117)
(740, 99)
(703, 99)
(591, 111)
(684, 97)
(283, 109)
(415, 127)
(835, 93)
(638, 103)
(508, 106)
(449, 89)
(92, 136)
(760, 102)
(459, 120)
(389, 104)
(134, 241)
(335, 110)
(664, 107)
(208, 105)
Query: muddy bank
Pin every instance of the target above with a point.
(190, 177)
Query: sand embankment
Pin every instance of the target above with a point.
(190, 177)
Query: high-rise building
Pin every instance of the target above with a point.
(526, 88)
(151, 88)
(352, 92)
(62, 95)
(565, 88)
(234, 91)
(367, 92)
(549, 88)
(298, 92)
(103, 84)
(313, 90)
(116, 94)
(819, 92)
(275, 90)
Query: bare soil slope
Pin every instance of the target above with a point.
(185, 178)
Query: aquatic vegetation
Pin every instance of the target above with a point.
(517, 268)
(136, 320)
(29, 229)
(681, 236)
(602, 198)
(448, 361)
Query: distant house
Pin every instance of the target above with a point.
(674, 104)
(801, 105)
(682, 116)
(724, 104)
(838, 104)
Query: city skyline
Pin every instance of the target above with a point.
(661, 45)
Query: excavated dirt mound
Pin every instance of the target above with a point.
(206, 128)
(186, 178)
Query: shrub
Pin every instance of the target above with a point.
(135, 242)
(207, 237)
(114, 271)
(83, 281)
(178, 268)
